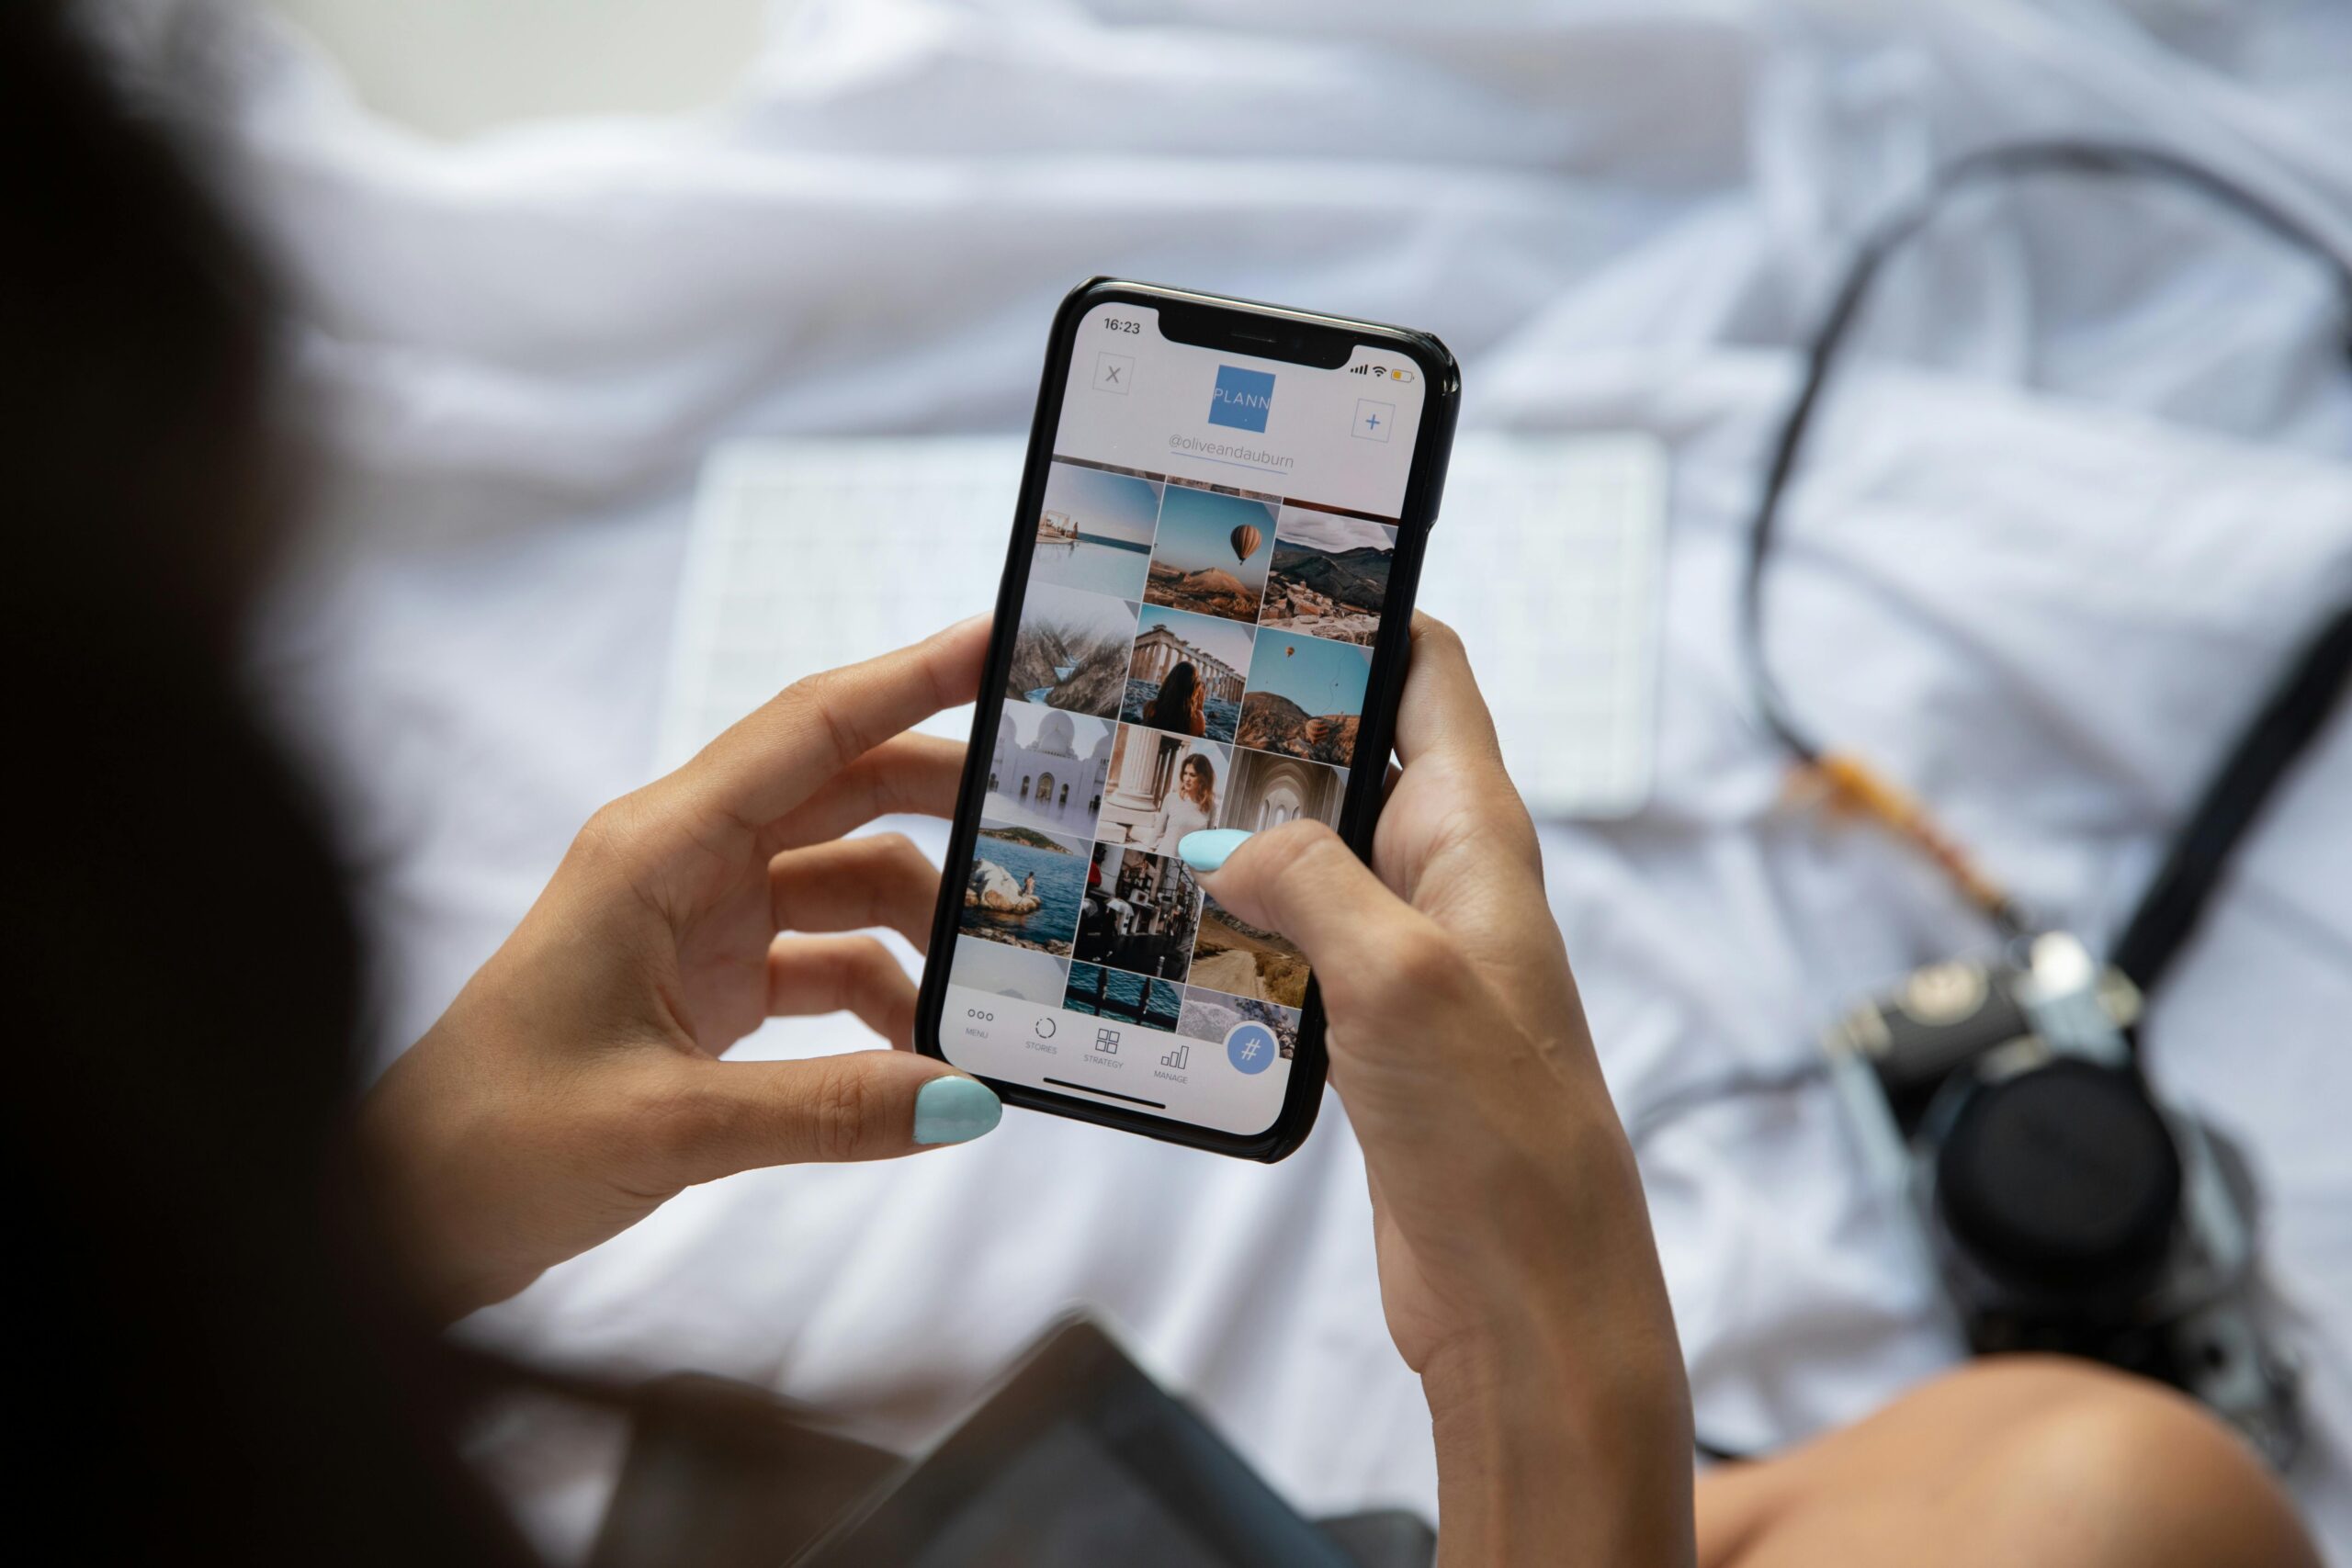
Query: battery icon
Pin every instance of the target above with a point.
(1400, 374)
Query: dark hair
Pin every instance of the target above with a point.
(212, 1331)
(1177, 705)
(1199, 762)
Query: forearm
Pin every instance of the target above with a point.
(1549, 1452)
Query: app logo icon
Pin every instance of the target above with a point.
(1242, 398)
(1251, 1048)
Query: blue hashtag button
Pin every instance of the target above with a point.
(1251, 1048)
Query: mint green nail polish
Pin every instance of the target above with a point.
(956, 1110)
(1207, 850)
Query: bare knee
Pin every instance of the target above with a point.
(2022, 1460)
(2129, 1472)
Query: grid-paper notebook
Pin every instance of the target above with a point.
(1547, 558)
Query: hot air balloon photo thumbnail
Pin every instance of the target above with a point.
(1212, 552)
(1305, 697)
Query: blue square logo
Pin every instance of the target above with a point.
(1242, 398)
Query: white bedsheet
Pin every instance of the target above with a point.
(2060, 526)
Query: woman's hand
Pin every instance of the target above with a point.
(574, 1085)
(1516, 1264)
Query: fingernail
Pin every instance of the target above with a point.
(956, 1110)
(1207, 850)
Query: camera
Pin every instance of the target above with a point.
(2063, 1207)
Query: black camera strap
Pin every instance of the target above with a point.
(2296, 712)
(2290, 716)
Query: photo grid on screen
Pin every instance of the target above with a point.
(1189, 656)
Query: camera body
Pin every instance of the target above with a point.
(2063, 1207)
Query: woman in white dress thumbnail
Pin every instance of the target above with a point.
(1194, 807)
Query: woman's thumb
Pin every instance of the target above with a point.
(1300, 879)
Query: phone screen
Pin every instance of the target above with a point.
(1209, 573)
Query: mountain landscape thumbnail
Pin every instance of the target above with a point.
(1329, 575)
(1327, 596)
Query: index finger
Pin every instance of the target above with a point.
(1442, 712)
(770, 761)
(1453, 800)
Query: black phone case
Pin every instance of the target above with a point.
(1211, 317)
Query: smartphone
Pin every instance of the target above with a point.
(1202, 623)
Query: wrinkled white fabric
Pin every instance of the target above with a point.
(2089, 474)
